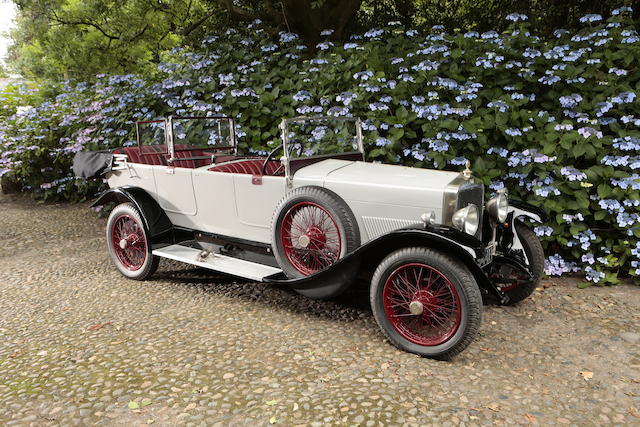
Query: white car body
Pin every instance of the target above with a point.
(382, 197)
(318, 220)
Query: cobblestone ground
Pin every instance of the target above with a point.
(80, 345)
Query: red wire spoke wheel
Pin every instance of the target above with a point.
(426, 302)
(129, 242)
(422, 304)
(310, 237)
(312, 229)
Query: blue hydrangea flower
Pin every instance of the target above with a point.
(269, 47)
(620, 10)
(570, 101)
(437, 145)
(555, 265)
(363, 75)
(301, 96)
(592, 17)
(587, 132)
(624, 98)
(611, 205)
(515, 17)
(573, 174)
(374, 33)
(501, 106)
(287, 37)
(458, 161)
(543, 230)
(618, 71)
(502, 152)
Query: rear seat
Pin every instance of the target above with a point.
(157, 155)
(150, 155)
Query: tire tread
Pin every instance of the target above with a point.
(461, 273)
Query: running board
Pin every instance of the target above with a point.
(217, 262)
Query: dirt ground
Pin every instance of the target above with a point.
(81, 345)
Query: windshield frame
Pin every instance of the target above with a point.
(284, 128)
(171, 136)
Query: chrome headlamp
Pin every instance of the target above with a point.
(467, 219)
(498, 207)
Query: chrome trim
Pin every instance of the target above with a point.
(450, 199)
(168, 135)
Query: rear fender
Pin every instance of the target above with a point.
(154, 218)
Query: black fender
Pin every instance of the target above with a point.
(508, 241)
(155, 219)
(461, 246)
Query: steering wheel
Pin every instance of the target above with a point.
(270, 158)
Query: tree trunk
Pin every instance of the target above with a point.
(309, 21)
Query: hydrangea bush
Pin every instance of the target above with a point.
(555, 121)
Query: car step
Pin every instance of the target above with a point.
(217, 262)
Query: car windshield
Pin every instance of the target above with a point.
(203, 132)
(317, 136)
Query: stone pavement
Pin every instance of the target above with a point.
(81, 345)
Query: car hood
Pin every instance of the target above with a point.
(393, 184)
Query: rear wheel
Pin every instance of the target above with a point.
(128, 244)
(313, 228)
(426, 302)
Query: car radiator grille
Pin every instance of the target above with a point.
(471, 192)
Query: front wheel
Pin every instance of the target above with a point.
(426, 302)
(128, 244)
(514, 284)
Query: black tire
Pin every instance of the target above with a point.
(142, 263)
(468, 311)
(535, 254)
(327, 201)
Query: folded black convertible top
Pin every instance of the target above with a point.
(92, 164)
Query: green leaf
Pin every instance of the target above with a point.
(401, 112)
(133, 405)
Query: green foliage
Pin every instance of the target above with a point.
(552, 119)
(59, 39)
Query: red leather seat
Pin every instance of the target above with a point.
(191, 163)
(149, 155)
(157, 155)
(248, 167)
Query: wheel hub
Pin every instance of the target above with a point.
(313, 237)
(416, 307)
(123, 243)
(304, 240)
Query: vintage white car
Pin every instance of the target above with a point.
(313, 214)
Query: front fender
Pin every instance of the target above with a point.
(336, 278)
(522, 209)
(509, 242)
(154, 218)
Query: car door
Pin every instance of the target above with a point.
(174, 187)
(257, 198)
